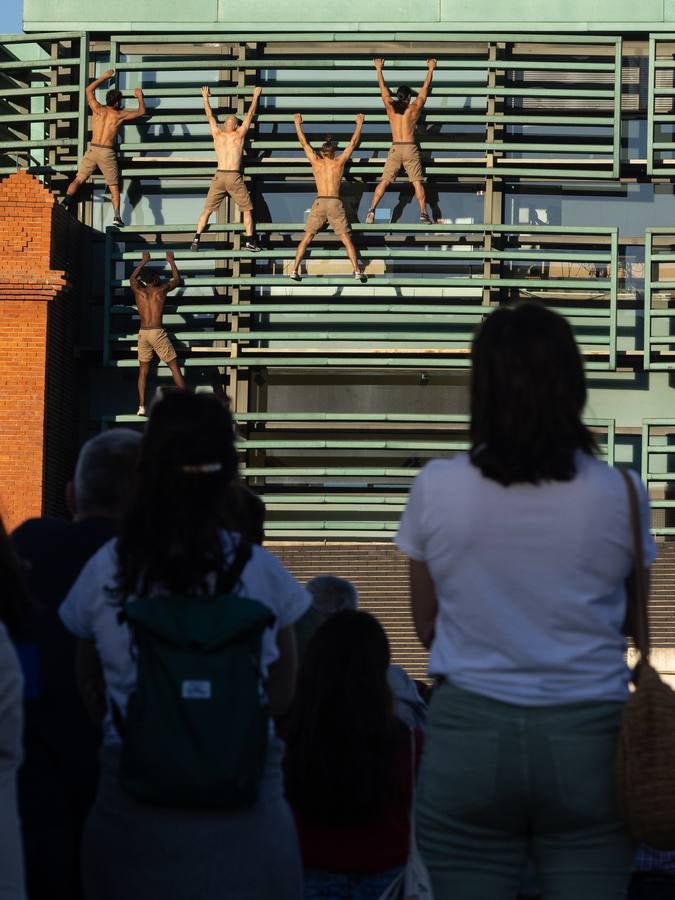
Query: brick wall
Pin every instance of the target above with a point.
(35, 351)
(380, 574)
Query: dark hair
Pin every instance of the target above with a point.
(402, 101)
(343, 737)
(245, 512)
(527, 395)
(330, 145)
(113, 97)
(14, 597)
(151, 276)
(170, 535)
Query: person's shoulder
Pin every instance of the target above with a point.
(106, 555)
(590, 469)
(38, 529)
(458, 465)
(266, 560)
(604, 485)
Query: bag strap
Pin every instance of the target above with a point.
(636, 583)
(226, 581)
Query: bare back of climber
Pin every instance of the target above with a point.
(327, 169)
(228, 141)
(106, 122)
(403, 114)
(150, 295)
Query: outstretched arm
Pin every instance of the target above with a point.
(133, 279)
(129, 114)
(213, 122)
(306, 146)
(246, 124)
(384, 90)
(174, 281)
(90, 88)
(424, 92)
(423, 602)
(356, 137)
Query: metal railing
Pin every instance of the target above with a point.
(659, 295)
(347, 475)
(508, 105)
(658, 472)
(43, 113)
(428, 288)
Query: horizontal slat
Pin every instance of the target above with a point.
(439, 281)
(39, 64)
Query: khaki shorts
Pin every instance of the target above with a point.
(327, 209)
(406, 155)
(225, 182)
(102, 158)
(154, 339)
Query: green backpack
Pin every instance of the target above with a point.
(195, 732)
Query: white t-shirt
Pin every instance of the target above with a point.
(90, 612)
(529, 579)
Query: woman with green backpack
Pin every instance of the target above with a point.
(193, 630)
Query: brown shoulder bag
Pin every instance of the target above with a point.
(646, 757)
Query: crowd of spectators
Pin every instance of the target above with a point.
(519, 551)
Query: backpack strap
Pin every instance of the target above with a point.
(225, 581)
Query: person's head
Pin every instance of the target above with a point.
(403, 97)
(342, 733)
(528, 393)
(246, 512)
(14, 598)
(104, 474)
(114, 98)
(331, 594)
(231, 123)
(171, 532)
(152, 277)
(329, 148)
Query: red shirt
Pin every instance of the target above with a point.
(376, 845)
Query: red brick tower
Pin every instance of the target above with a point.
(35, 307)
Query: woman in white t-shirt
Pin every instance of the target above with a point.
(174, 541)
(519, 553)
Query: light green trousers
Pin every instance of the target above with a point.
(500, 783)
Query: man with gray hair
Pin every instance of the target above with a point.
(331, 595)
(58, 779)
(103, 475)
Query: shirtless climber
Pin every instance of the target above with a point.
(403, 115)
(150, 296)
(327, 169)
(106, 122)
(229, 143)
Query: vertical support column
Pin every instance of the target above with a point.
(644, 456)
(616, 122)
(107, 294)
(614, 281)
(86, 72)
(488, 207)
(238, 79)
(50, 104)
(647, 309)
(82, 100)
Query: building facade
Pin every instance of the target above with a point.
(549, 147)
